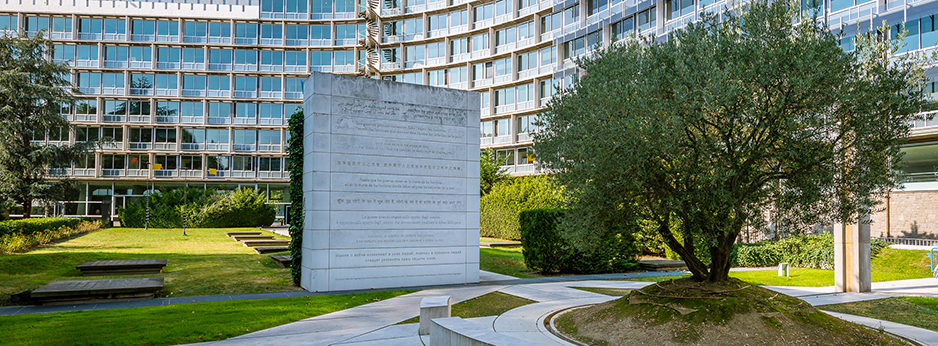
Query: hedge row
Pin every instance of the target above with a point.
(807, 251)
(30, 226)
(203, 208)
(546, 251)
(501, 207)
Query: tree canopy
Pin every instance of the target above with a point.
(32, 92)
(702, 133)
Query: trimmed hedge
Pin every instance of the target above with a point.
(545, 250)
(500, 207)
(30, 226)
(205, 209)
(804, 251)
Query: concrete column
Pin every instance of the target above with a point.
(852, 256)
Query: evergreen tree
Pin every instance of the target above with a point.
(32, 92)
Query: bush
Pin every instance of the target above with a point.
(205, 209)
(803, 251)
(243, 208)
(23, 241)
(545, 250)
(29, 226)
(499, 209)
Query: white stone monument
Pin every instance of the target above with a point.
(390, 184)
(852, 269)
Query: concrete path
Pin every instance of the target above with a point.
(375, 324)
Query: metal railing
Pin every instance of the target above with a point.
(909, 241)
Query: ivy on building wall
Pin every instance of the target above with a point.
(295, 150)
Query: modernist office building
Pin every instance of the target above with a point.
(204, 87)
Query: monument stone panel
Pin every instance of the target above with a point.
(390, 183)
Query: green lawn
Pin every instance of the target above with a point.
(204, 263)
(491, 304)
(921, 312)
(173, 324)
(890, 265)
(507, 261)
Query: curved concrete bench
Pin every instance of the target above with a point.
(455, 331)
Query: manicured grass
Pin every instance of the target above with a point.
(173, 324)
(615, 292)
(891, 264)
(895, 264)
(492, 304)
(495, 240)
(507, 261)
(920, 312)
(797, 277)
(659, 278)
(206, 262)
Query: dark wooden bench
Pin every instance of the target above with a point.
(270, 249)
(242, 233)
(122, 267)
(268, 242)
(251, 237)
(87, 291)
(282, 261)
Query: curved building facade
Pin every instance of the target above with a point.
(204, 88)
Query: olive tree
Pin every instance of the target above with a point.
(702, 133)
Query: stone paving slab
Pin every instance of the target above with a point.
(923, 336)
(840, 298)
(242, 233)
(269, 242)
(261, 250)
(65, 292)
(927, 286)
(122, 267)
(251, 237)
(548, 292)
(282, 261)
(527, 322)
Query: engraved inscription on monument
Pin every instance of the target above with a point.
(391, 184)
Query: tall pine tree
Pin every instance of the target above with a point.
(32, 92)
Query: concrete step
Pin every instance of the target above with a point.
(122, 267)
(88, 291)
(661, 265)
(282, 261)
(242, 233)
(270, 249)
(251, 237)
(268, 242)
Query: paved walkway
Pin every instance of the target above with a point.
(376, 324)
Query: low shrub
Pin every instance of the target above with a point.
(28, 226)
(24, 241)
(545, 250)
(242, 208)
(203, 208)
(803, 251)
(500, 208)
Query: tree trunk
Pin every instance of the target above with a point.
(27, 208)
(697, 268)
(721, 258)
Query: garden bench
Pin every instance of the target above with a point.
(933, 255)
(65, 292)
(122, 267)
(457, 331)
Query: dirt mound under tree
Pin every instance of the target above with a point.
(684, 312)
